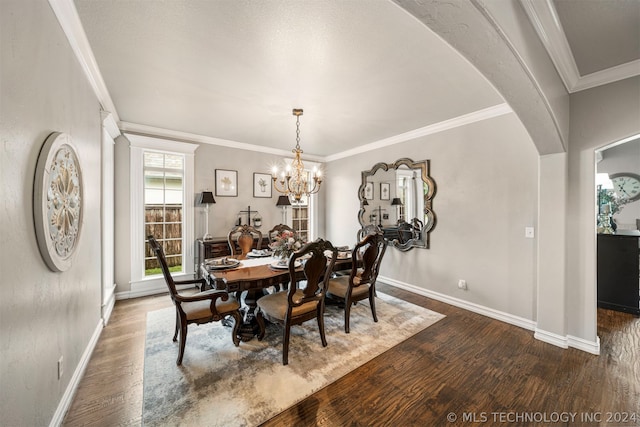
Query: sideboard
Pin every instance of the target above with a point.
(619, 271)
(217, 247)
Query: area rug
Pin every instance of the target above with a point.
(219, 384)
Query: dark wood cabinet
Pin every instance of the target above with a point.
(217, 247)
(619, 271)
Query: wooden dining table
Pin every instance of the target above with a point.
(255, 276)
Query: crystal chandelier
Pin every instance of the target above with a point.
(294, 181)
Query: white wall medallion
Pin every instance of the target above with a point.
(57, 201)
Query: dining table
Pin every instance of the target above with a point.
(250, 276)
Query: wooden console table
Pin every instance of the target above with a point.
(619, 271)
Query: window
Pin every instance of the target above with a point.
(300, 218)
(161, 185)
(163, 198)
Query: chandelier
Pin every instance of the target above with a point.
(294, 181)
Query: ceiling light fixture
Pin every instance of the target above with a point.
(295, 181)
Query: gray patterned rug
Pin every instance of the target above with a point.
(219, 384)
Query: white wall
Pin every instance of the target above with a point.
(43, 315)
(486, 177)
(599, 117)
(224, 214)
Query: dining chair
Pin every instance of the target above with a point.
(203, 307)
(360, 284)
(298, 304)
(405, 231)
(276, 230)
(368, 229)
(241, 239)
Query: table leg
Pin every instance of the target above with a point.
(249, 327)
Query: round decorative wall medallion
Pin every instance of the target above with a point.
(57, 201)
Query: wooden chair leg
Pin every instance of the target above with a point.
(320, 317)
(285, 344)
(183, 341)
(175, 335)
(372, 303)
(236, 326)
(261, 324)
(347, 313)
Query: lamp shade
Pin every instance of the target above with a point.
(283, 201)
(365, 203)
(396, 202)
(206, 197)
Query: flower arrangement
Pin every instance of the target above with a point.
(285, 243)
(610, 201)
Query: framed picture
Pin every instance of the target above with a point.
(368, 191)
(385, 191)
(261, 185)
(226, 183)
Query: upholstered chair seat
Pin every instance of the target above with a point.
(202, 309)
(340, 287)
(276, 305)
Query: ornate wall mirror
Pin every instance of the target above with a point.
(397, 197)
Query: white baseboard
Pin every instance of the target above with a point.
(457, 302)
(108, 305)
(551, 338)
(592, 347)
(72, 387)
(548, 337)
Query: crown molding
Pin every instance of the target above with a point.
(152, 131)
(133, 129)
(610, 75)
(543, 16)
(69, 20)
(476, 116)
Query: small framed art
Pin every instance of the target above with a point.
(226, 183)
(385, 191)
(368, 191)
(261, 184)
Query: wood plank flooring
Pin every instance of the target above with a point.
(482, 371)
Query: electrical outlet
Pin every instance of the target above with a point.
(462, 284)
(529, 233)
(60, 367)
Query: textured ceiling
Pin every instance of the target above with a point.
(601, 33)
(362, 71)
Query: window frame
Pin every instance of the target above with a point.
(138, 145)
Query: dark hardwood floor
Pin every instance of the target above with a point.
(467, 368)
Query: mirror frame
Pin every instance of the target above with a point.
(430, 216)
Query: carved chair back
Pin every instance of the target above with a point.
(279, 229)
(241, 239)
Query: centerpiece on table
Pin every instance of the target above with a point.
(284, 244)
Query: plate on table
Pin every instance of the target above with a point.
(221, 263)
(283, 265)
(259, 253)
(342, 254)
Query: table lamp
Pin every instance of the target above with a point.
(206, 199)
(397, 203)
